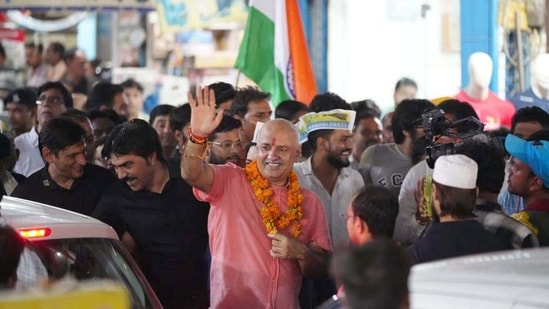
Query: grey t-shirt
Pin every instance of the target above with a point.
(384, 165)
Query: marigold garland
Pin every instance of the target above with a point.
(271, 215)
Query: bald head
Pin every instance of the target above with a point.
(278, 149)
(280, 127)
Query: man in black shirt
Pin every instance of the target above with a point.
(66, 181)
(156, 211)
(455, 232)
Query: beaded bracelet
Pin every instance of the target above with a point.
(195, 139)
(192, 155)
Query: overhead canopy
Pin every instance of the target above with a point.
(79, 5)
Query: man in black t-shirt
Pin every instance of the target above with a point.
(157, 216)
(66, 181)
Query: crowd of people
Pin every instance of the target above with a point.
(221, 212)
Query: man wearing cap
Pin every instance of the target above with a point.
(454, 231)
(21, 107)
(529, 178)
(526, 121)
(53, 99)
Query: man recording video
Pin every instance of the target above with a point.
(407, 229)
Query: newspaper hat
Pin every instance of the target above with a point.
(533, 153)
(456, 171)
(336, 119)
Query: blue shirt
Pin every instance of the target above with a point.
(528, 98)
(510, 203)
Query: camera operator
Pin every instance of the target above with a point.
(407, 229)
(387, 164)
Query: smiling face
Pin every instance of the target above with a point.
(339, 148)
(68, 163)
(278, 150)
(134, 170)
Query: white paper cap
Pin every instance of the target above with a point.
(456, 171)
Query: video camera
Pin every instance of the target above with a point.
(435, 125)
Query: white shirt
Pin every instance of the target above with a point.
(348, 183)
(407, 230)
(30, 160)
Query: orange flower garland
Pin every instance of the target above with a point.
(271, 215)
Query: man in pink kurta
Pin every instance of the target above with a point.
(243, 273)
(251, 267)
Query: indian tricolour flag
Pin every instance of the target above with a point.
(274, 53)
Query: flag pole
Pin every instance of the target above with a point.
(237, 78)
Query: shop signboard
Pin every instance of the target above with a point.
(141, 5)
(182, 15)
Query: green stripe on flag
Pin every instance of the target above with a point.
(256, 56)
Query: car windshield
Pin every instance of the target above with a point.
(90, 258)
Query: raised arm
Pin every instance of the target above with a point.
(204, 120)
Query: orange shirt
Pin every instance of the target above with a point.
(243, 273)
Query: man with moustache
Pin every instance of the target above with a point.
(328, 174)
(53, 99)
(66, 181)
(224, 143)
(163, 224)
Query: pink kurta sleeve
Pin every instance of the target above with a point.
(314, 224)
(222, 177)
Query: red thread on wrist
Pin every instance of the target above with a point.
(196, 139)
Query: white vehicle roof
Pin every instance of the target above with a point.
(507, 279)
(25, 214)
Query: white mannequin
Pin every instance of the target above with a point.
(540, 76)
(491, 110)
(480, 74)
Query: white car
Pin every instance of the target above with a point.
(506, 279)
(68, 243)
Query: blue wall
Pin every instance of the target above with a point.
(479, 32)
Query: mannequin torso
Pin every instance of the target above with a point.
(491, 110)
(538, 95)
